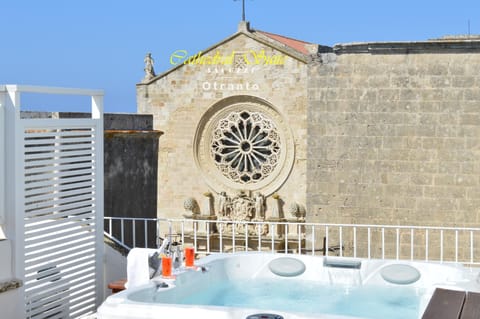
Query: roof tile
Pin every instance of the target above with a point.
(298, 45)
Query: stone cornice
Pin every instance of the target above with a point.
(133, 133)
(432, 46)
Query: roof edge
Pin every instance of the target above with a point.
(430, 46)
(244, 29)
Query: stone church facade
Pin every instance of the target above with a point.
(266, 127)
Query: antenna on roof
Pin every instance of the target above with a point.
(469, 28)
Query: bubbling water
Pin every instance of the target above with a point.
(373, 302)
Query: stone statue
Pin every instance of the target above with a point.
(149, 71)
(223, 203)
(259, 206)
(208, 204)
(276, 212)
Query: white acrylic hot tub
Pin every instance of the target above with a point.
(290, 286)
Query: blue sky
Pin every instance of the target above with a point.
(101, 44)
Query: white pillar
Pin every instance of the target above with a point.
(97, 113)
(13, 182)
(2, 160)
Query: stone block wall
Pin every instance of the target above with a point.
(394, 137)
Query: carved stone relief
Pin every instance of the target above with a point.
(244, 207)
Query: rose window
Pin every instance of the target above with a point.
(243, 143)
(245, 146)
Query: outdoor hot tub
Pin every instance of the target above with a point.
(276, 286)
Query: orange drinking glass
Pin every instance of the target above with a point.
(189, 256)
(166, 266)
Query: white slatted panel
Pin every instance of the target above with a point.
(60, 223)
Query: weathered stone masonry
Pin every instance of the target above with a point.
(394, 134)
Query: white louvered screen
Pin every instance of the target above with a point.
(59, 204)
(55, 188)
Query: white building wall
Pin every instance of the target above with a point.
(115, 267)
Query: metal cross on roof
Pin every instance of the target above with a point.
(243, 9)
